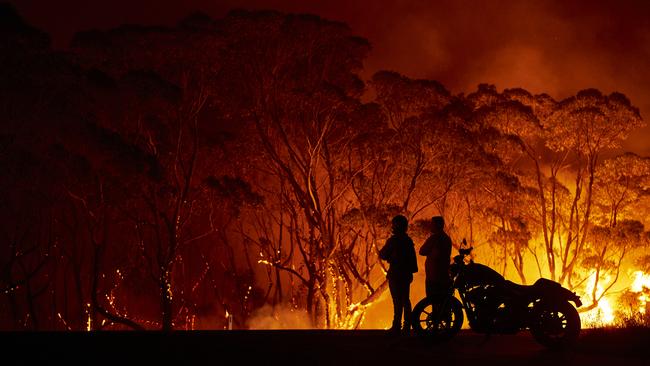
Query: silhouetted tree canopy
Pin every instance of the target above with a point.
(170, 177)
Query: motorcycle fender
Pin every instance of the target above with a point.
(552, 292)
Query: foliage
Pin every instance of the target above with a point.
(163, 177)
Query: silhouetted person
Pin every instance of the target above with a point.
(399, 251)
(437, 249)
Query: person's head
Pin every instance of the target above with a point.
(437, 224)
(399, 224)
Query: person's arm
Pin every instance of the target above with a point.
(448, 247)
(425, 249)
(386, 252)
(413, 259)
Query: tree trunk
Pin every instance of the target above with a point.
(166, 299)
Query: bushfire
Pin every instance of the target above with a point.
(242, 172)
(641, 286)
(620, 307)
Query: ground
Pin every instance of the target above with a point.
(315, 347)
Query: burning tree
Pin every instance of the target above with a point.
(301, 87)
(174, 214)
(583, 127)
(213, 167)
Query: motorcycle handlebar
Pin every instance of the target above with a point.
(465, 251)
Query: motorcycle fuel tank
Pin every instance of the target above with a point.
(479, 274)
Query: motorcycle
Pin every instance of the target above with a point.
(495, 305)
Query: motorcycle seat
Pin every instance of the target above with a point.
(518, 289)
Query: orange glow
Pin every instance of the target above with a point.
(89, 322)
(641, 284)
(603, 314)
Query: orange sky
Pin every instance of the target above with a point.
(557, 47)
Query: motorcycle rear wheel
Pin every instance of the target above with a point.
(438, 319)
(555, 325)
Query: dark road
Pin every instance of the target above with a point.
(314, 347)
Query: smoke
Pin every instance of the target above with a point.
(556, 47)
(279, 317)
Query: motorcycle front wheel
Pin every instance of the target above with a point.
(438, 319)
(555, 325)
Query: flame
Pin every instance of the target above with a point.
(89, 322)
(641, 284)
(63, 321)
(228, 325)
(603, 314)
(605, 311)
